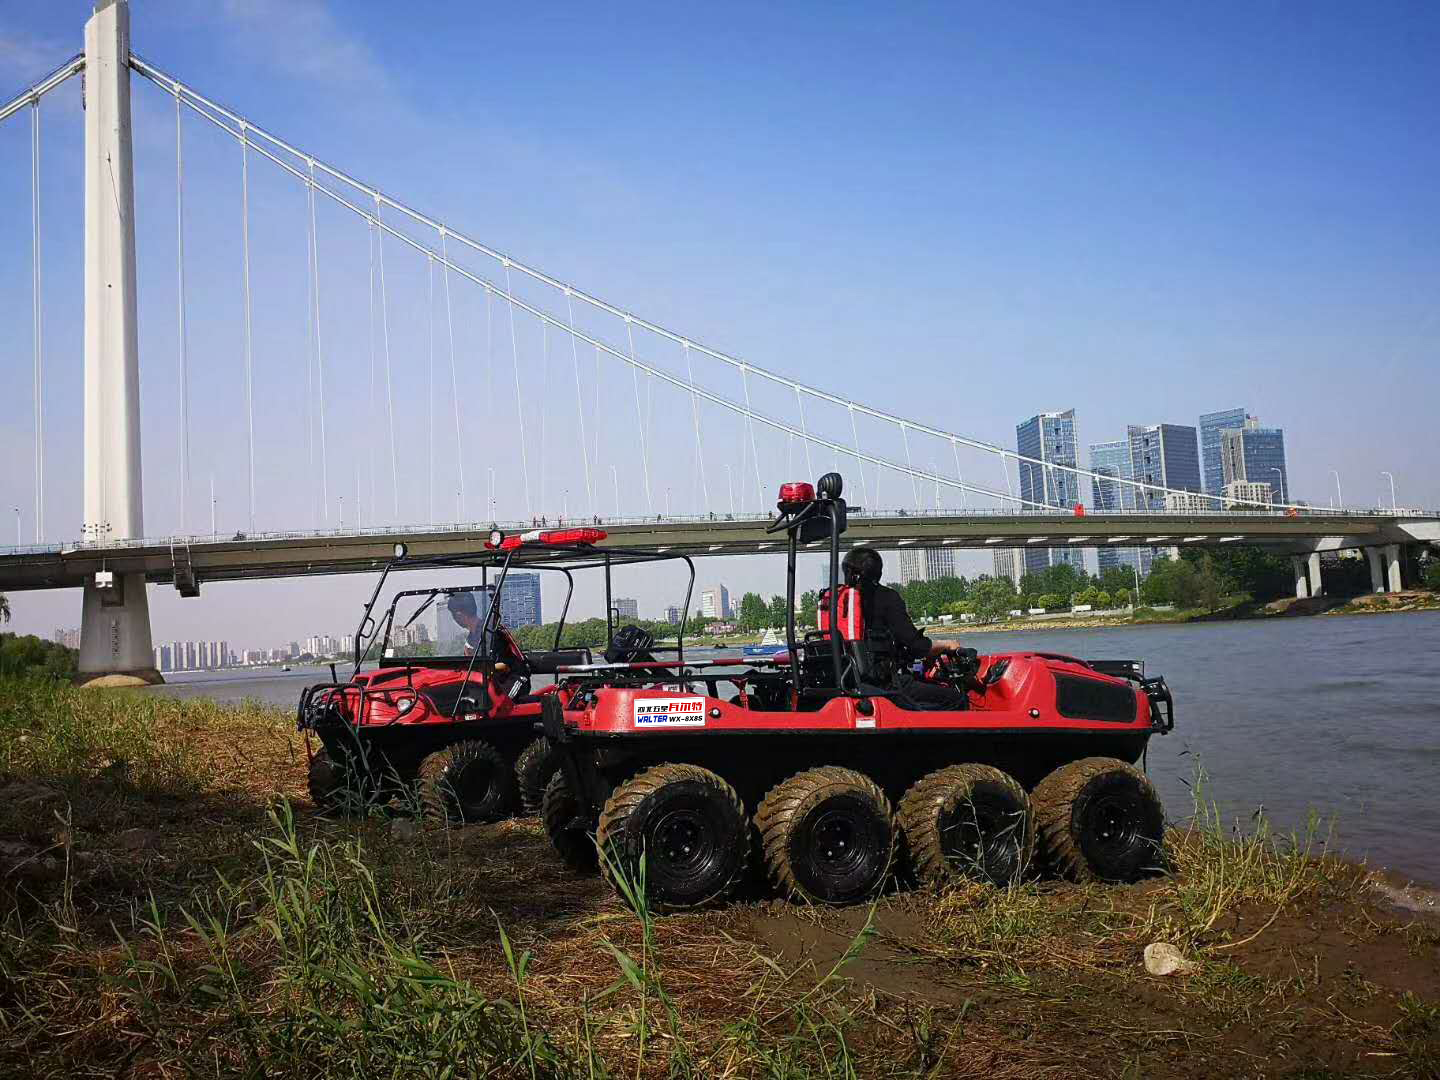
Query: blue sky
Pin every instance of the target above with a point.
(961, 213)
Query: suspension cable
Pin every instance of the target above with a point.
(37, 317)
(430, 392)
(600, 346)
(699, 446)
(454, 383)
(183, 343)
(319, 347)
(914, 488)
(219, 114)
(389, 389)
(519, 401)
(855, 434)
(809, 465)
(310, 357)
(36, 91)
(249, 355)
(639, 417)
(544, 381)
(580, 402)
(750, 427)
(370, 441)
(964, 502)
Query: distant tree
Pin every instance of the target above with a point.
(1431, 574)
(1248, 569)
(30, 655)
(1052, 600)
(809, 604)
(1119, 582)
(753, 612)
(1172, 581)
(992, 599)
(1211, 585)
(777, 612)
(1102, 599)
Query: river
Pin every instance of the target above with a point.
(1338, 716)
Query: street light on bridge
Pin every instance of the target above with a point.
(1339, 498)
(1391, 478)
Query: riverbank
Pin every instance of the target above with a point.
(175, 906)
(1377, 604)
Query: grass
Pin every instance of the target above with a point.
(170, 906)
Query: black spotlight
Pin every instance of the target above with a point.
(830, 486)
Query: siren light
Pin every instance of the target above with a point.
(795, 495)
(551, 537)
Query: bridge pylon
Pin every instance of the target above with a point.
(115, 643)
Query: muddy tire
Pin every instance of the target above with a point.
(467, 783)
(967, 823)
(336, 787)
(572, 840)
(533, 769)
(691, 829)
(827, 835)
(1099, 819)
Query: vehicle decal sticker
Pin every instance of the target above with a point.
(670, 712)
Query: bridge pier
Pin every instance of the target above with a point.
(1392, 568)
(1302, 579)
(115, 644)
(1377, 569)
(1317, 586)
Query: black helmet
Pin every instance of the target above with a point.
(862, 566)
(461, 603)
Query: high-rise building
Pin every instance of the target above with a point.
(1257, 455)
(1165, 455)
(1049, 439)
(1111, 460)
(520, 600)
(1010, 564)
(1212, 426)
(715, 602)
(1246, 494)
(926, 564)
(69, 638)
(672, 615)
(626, 607)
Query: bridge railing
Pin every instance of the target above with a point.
(1156, 519)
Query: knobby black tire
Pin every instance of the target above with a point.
(466, 783)
(661, 794)
(573, 840)
(967, 823)
(788, 817)
(327, 781)
(1069, 802)
(534, 767)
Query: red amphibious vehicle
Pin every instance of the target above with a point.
(817, 770)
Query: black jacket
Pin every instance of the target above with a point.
(885, 610)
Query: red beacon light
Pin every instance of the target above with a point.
(794, 496)
(553, 537)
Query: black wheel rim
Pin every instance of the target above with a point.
(681, 843)
(1114, 831)
(835, 842)
(980, 836)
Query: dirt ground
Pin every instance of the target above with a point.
(1296, 967)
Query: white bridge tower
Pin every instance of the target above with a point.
(115, 645)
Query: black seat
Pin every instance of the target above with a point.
(868, 665)
(545, 663)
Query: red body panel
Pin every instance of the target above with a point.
(1024, 697)
(377, 697)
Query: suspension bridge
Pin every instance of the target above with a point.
(482, 379)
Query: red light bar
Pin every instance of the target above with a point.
(796, 494)
(553, 537)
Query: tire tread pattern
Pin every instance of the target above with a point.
(627, 797)
(435, 799)
(533, 769)
(778, 811)
(1053, 800)
(938, 793)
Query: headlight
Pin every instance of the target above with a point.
(404, 705)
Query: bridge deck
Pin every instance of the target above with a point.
(298, 554)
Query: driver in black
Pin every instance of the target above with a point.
(884, 610)
(464, 611)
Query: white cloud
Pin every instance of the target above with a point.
(305, 39)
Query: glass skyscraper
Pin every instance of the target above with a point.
(1257, 455)
(1049, 438)
(1212, 427)
(1166, 455)
(1112, 459)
